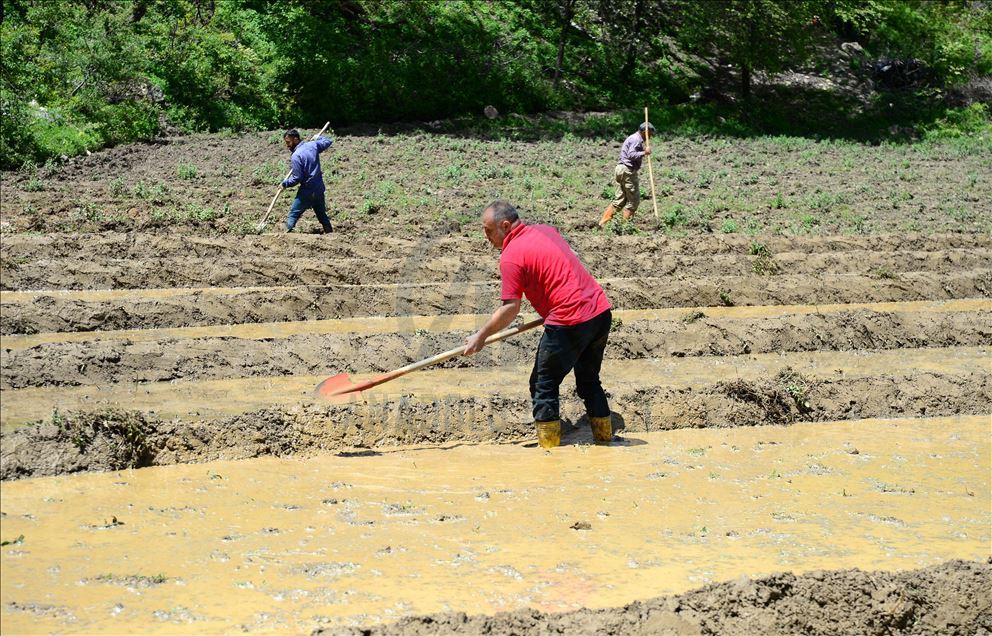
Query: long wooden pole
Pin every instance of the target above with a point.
(647, 146)
(265, 218)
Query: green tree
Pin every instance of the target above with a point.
(767, 35)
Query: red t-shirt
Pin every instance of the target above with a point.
(537, 262)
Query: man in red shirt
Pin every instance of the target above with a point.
(536, 262)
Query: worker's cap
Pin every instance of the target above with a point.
(644, 125)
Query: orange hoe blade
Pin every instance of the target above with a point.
(339, 388)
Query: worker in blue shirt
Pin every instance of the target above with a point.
(306, 172)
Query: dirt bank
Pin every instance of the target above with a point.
(108, 361)
(108, 440)
(61, 312)
(951, 598)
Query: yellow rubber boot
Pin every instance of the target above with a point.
(602, 429)
(607, 215)
(549, 433)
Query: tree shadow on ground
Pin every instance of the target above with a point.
(894, 116)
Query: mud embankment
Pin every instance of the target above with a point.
(46, 312)
(108, 440)
(99, 362)
(249, 270)
(952, 598)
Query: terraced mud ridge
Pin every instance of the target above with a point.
(799, 404)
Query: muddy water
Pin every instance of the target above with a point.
(213, 398)
(287, 544)
(463, 322)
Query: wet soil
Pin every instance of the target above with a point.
(119, 438)
(831, 603)
(196, 358)
(145, 324)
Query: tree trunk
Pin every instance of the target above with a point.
(568, 11)
(745, 80)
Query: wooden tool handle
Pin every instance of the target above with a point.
(457, 351)
(647, 146)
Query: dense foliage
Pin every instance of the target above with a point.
(81, 74)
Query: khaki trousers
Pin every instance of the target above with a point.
(628, 192)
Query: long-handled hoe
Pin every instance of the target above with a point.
(261, 224)
(340, 388)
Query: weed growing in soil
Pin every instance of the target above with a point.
(186, 171)
(18, 541)
(725, 298)
(674, 216)
(117, 187)
(616, 324)
(729, 226)
(154, 193)
(123, 432)
(622, 228)
(797, 387)
(763, 264)
(34, 184)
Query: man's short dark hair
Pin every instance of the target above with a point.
(292, 132)
(503, 211)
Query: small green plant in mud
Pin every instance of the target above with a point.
(117, 187)
(123, 433)
(729, 226)
(696, 452)
(18, 541)
(764, 263)
(619, 227)
(421, 333)
(186, 171)
(34, 184)
(270, 172)
(797, 387)
(246, 227)
(616, 324)
(693, 316)
(368, 207)
(153, 193)
(725, 298)
(86, 211)
(778, 202)
(674, 216)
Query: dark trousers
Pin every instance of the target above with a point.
(562, 349)
(303, 202)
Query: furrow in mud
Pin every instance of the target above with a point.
(102, 439)
(141, 245)
(112, 361)
(229, 396)
(63, 311)
(249, 270)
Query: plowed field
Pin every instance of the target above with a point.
(789, 405)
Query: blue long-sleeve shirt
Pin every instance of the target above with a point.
(632, 151)
(305, 164)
